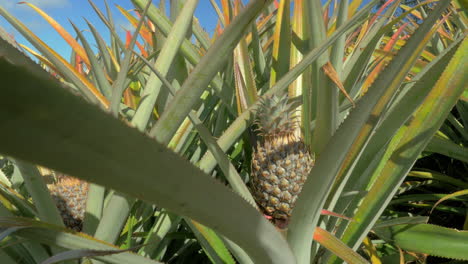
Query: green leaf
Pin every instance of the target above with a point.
(439, 177)
(211, 243)
(46, 209)
(448, 148)
(154, 243)
(94, 208)
(427, 239)
(40, 232)
(163, 62)
(450, 196)
(402, 221)
(422, 197)
(322, 100)
(114, 216)
(103, 50)
(281, 43)
(120, 83)
(258, 56)
(96, 69)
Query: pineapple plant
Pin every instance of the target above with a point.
(281, 161)
(179, 196)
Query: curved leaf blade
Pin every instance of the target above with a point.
(428, 239)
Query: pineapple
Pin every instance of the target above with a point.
(70, 195)
(280, 161)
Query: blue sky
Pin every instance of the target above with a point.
(75, 10)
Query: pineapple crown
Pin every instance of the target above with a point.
(275, 116)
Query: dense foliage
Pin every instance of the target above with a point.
(158, 130)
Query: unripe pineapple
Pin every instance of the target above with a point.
(280, 162)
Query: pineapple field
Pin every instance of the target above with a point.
(297, 131)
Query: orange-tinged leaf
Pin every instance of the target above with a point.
(333, 75)
(226, 13)
(218, 30)
(79, 64)
(326, 15)
(65, 35)
(142, 49)
(264, 20)
(338, 248)
(442, 32)
(388, 56)
(380, 11)
(318, 235)
(128, 98)
(40, 58)
(387, 48)
(144, 31)
(103, 100)
(276, 4)
(401, 42)
(237, 7)
(326, 212)
(128, 38)
(152, 27)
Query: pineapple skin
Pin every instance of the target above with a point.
(281, 161)
(70, 195)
